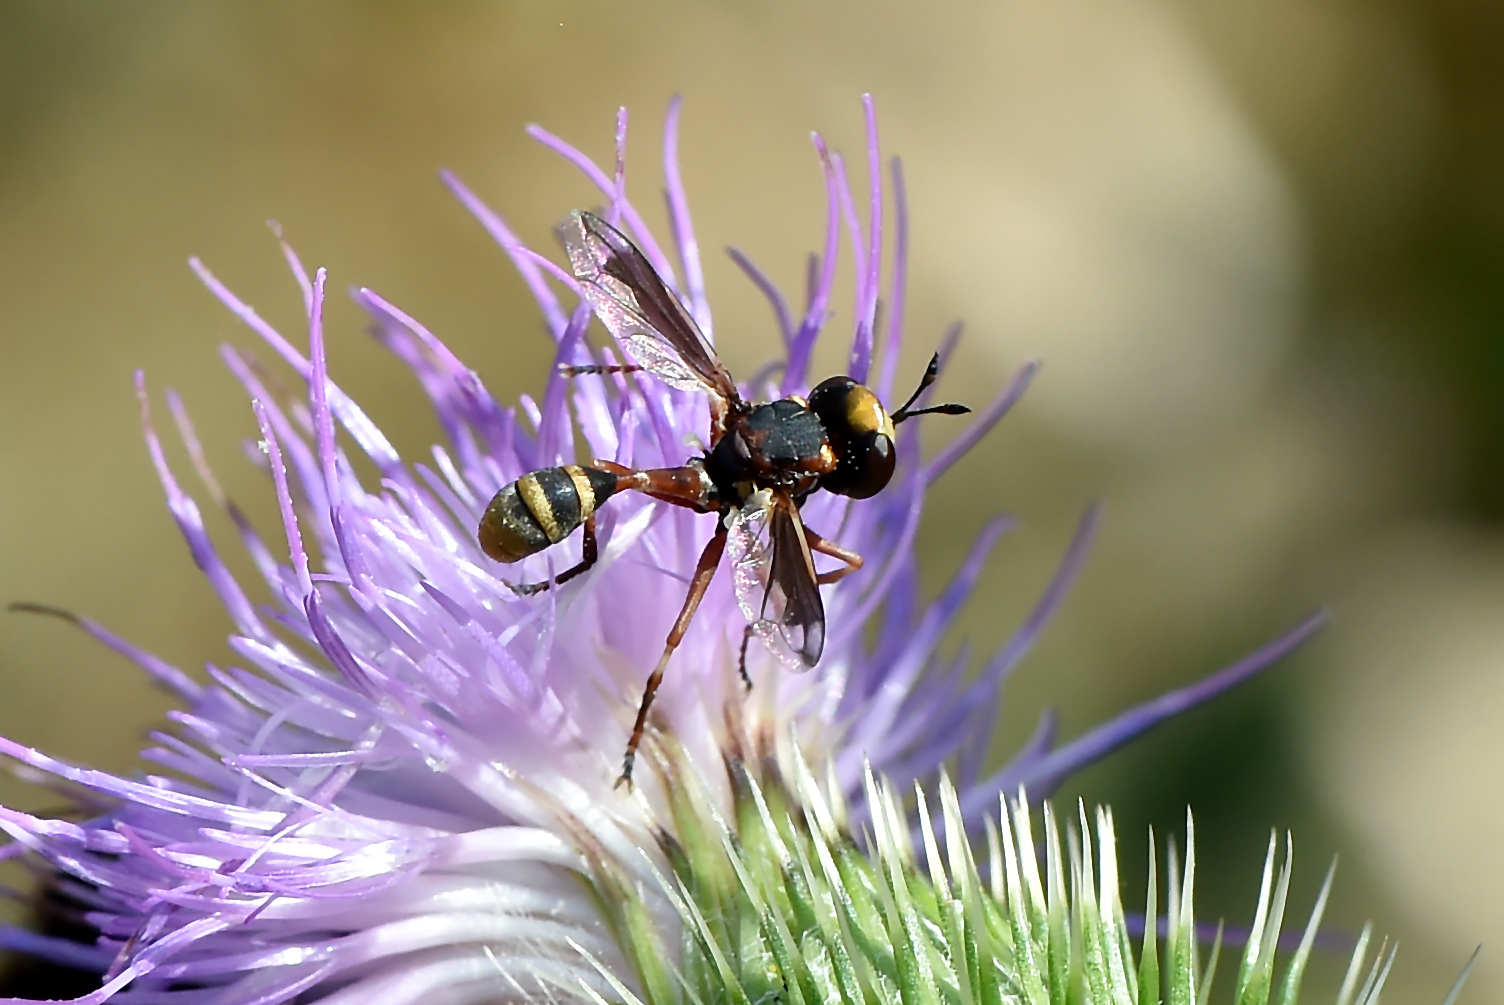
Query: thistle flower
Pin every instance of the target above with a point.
(405, 792)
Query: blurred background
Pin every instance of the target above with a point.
(1259, 246)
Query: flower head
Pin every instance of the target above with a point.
(404, 793)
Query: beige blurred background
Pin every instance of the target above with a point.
(1260, 247)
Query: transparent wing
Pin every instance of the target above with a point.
(751, 572)
(639, 310)
(774, 575)
(793, 598)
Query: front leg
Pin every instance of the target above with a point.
(710, 558)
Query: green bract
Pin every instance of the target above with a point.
(782, 904)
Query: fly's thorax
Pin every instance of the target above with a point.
(861, 434)
(540, 509)
(775, 443)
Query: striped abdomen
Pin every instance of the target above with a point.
(541, 509)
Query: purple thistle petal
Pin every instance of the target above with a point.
(282, 984)
(869, 280)
(853, 228)
(557, 271)
(349, 414)
(455, 491)
(465, 397)
(61, 951)
(523, 260)
(191, 524)
(249, 538)
(822, 277)
(284, 499)
(769, 290)
(886, 514)
(161, 950)
(1041, 741)
(900, 283)
(302, 461)
(1040, 774)
(145, 795)
(30, 829)
(635, 225)
(164, 673)
(295, 264)
(898, 613)
(982, 424)
(323, 426)
(1049, 602)
(898, 556)
(811, 277)
(859, 267)
(883, 726)
(458, 420)
(619, 177)
(681, 223)
(555, 430)
(189, 436)
(949, 721)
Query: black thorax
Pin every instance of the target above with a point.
(778, 444)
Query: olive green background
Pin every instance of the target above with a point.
(1260, 247)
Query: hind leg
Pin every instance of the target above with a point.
(589, 553)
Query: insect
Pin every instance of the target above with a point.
(762, 461)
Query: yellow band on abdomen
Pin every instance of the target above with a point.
(537, 503)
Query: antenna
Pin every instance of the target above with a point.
(930, 372)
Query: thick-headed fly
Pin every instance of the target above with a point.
(763, 460)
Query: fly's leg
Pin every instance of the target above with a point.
(589, 553)
(576, 371)
(685, 486)
(741, 663)
(710, 558)
(821, 545)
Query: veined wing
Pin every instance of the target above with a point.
(639, 310)
(774, 575)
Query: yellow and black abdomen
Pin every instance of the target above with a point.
(541, 509)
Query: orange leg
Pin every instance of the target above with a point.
(710, 558)
(821, 545)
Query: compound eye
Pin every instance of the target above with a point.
(861, 433)
(865, 468)
(847, 409)
(828, 398)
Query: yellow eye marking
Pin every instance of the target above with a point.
(865, 414)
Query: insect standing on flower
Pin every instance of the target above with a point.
(763, 460)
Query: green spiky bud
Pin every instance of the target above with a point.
(784, 901)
